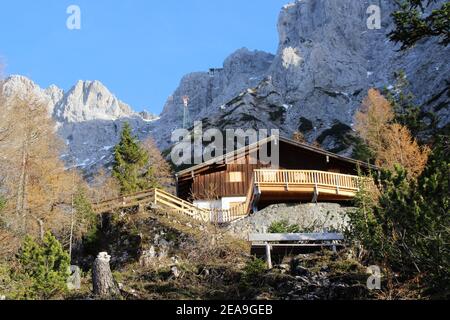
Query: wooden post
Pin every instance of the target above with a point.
(268, 256)
(286, 178)
(334, 249)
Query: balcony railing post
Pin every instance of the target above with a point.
(337, 184)
(286, 179)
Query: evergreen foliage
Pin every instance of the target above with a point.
(414, 22)
(408, 228)
(46, 266)
(86, 219)
(283, 227)
(131, 164)
(362, 152)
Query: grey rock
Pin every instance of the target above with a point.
(326, 61)
(175, 271)
(310, 217)
(74, 280)
(148, 257)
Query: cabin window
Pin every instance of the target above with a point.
(235, 177)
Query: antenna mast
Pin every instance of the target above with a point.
(185, 111)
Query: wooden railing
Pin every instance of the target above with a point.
(306, 177)
(237, 212)
(128, 201)
(168, 200)
(285, 178)
(154, 196)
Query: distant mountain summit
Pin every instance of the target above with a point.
(91, 100)
(85, 101)
(326, 61)
(88, 117)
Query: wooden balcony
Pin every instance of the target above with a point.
(294, 185)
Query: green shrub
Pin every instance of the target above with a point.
(14, 285)
(46, 264)
(283, 226)
(408, 228)
(253, 271)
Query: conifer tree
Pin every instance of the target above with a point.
(415, 21)
(407, 229)
(83, 221)
(159, 171)
(407, 113)
(47, 265)
(130, 162)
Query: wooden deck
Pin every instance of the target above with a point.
(292, 185)
(266, 186)
(166, 201)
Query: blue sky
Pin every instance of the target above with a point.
(139, 49)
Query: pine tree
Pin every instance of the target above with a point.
(84, 222)
(46, 264)
(413, 23)
(432, 211)
(130, 162)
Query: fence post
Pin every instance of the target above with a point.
(337, 184)
(268, 256)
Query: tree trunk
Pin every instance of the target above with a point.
(103, 282)
(20, 207)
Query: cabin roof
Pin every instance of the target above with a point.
(250, 148)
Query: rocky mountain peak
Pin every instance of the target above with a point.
(20, 86)
(91, 100)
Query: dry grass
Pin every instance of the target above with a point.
(208, 260)
(9, 244)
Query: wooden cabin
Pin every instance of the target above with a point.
(237, 184)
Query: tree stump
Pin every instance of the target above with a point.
(103, 282)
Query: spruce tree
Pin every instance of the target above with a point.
(130, 163)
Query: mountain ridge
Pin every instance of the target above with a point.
(326, 61)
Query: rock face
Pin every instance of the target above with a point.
(90, 100)
(89, 119)
(210, 92)
(326, 61)
(21, 86)
(309, 217)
